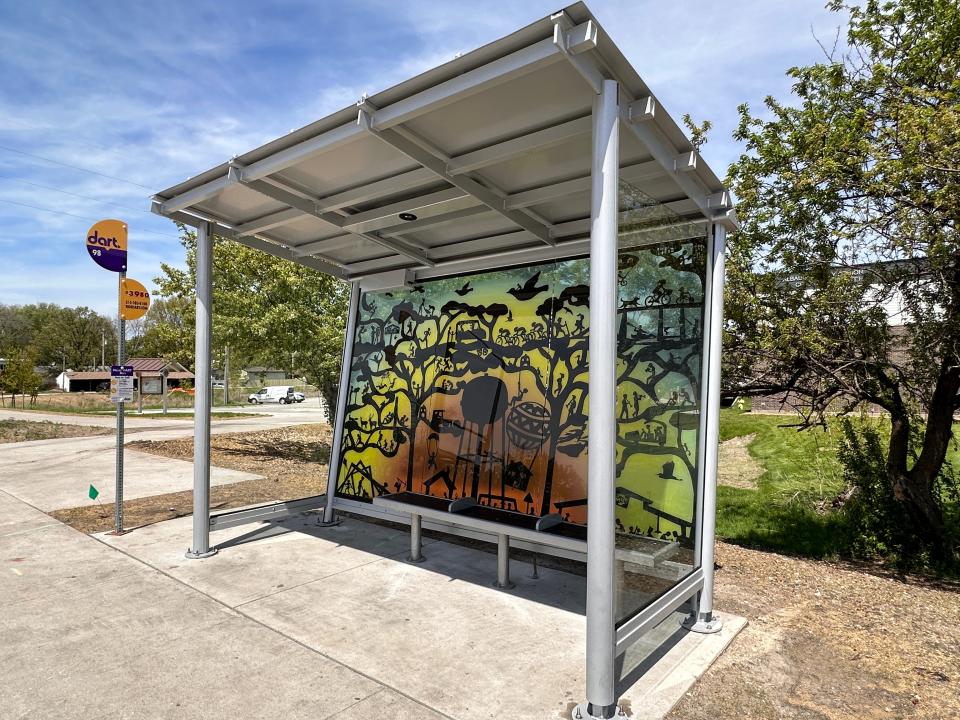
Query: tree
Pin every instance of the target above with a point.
(264, 309)
(20, 378)
(850, 198)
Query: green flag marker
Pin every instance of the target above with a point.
(93, 492)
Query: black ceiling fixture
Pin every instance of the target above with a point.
(408, 216)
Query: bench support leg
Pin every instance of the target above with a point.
(503, 563)
(416, 539)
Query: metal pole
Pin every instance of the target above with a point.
(703, 621)
(121, 355)
(163, 377)
(342, 391)
(201, 396)
(602, 424)
(503, 562)
(416, 539)
(226, 375)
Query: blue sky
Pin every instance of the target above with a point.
(152, 93)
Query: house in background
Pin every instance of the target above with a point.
(146, 371)
(261, 375)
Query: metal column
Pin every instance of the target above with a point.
(201, 395)
(121, 410)
(602, 424)
(342, 392)
(416, 539)
(702, 620)
(503, 563)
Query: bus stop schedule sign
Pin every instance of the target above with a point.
(121, 383)
(107, 245)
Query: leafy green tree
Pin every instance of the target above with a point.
(267, 310)
(850, 198)
(20, 378)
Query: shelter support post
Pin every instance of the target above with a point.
(200, 547)
(602, 428)
(343, 390)
(702, 620)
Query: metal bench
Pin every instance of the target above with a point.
(550, 530)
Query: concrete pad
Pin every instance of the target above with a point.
(55, 474)
(437, 635)
(388, 705)
(88, 632)
(277, 550)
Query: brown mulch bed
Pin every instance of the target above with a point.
(22, 430)
(830, 641)
(293, 461)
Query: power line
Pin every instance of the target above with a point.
(79, 217)
(74, 167)
(78, 195)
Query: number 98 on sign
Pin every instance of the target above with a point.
(134, 299)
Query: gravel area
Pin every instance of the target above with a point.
(830, 641)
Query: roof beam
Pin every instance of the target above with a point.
(336, 221)
(634, 173)
(267, 222)
(265, 243)
(421, 151)
(509, 149)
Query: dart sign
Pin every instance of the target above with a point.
(134, 299)
(107, 245)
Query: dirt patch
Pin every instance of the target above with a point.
(829, 641)
(293, 461)
(735, 466)
(22, 430)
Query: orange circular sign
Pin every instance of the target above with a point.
(134, 299)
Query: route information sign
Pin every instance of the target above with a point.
(121, 383)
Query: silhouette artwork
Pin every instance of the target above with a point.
(477, 386)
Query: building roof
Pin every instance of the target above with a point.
(146, 365)
(481, 162)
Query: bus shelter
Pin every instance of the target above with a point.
(532, 353)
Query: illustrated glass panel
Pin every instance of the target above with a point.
(476, 387)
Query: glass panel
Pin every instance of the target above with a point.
(659, 345)
(476, 386)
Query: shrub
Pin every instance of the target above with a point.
(875, 523)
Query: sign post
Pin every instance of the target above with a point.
(107, 247)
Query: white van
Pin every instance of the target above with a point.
(276, 394)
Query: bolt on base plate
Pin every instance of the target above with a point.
(335, 521)
(191, 555)
(702, 625)
(580, 712)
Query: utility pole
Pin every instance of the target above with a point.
(103, 350)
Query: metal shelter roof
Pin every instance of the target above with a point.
(481, 161)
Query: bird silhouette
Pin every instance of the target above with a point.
(667, 471)
(529, 289)
(465, 290)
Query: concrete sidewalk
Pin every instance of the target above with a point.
(437, 632)
(297, 621)
(88, 632)
(55, 474)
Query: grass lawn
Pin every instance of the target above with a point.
(790, 510)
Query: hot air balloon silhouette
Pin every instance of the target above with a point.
(482, 404)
